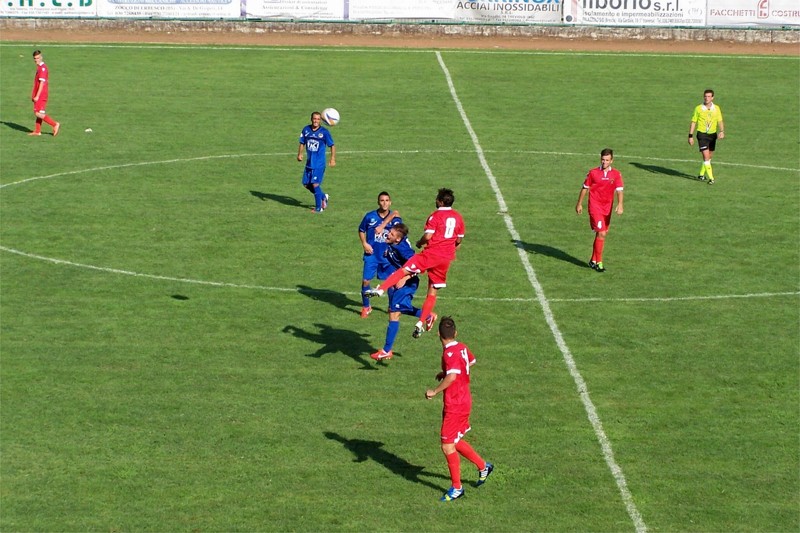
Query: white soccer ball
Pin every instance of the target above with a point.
(330, 116)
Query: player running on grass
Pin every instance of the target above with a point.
(398, 251)
(314, 139)
(602, 183)
(39, 96)
(454, 383)
(443, 234)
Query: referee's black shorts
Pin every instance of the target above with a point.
(706, 141)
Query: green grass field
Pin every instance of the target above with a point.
(181, 343)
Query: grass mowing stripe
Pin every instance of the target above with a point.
(591, 411)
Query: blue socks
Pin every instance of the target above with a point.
(391, 334)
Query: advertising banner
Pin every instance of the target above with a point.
(509, 11)
(177, 9)
(400, 9)
(753, 13)
(636, 12)
(327, 10)
(48, 8)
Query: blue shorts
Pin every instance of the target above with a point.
(313, 176)
(371, 264)
(400, 299)
(375, 266)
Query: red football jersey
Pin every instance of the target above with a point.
(601, 187)
(41, 78)
(456, 359)
(446, 226)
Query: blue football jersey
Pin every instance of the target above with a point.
(315, 142)
(378, 241)
(398, 254)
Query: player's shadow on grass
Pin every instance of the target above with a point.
(371, 449)
(15, 126)
(549, 251)
(336, 341)
(334, 298)
(281, 199)
(655, 169)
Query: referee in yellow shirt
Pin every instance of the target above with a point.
(707, 122)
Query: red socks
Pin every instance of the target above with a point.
(392, 280)
(597, 249)
(427, 306)
(454, 465)
(470, 454)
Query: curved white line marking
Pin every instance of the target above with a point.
(354, 293)
(374, 152)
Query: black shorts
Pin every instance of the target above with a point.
(706, 141)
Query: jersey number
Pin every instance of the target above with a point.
(449, 227)
(465, 357)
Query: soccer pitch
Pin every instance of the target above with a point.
(181, 343)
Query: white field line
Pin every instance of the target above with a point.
(208, 283)
(591, 411)
(140, 275)
(361, 152)
(373, 152)
(156, 45)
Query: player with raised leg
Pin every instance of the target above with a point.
(443, 234)
(398, 251)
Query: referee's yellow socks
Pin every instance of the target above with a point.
(707, 169)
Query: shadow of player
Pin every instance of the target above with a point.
(336, 341)
(281, 199)
(549, 251)
(334, 298)
(655, 169)
(365, 450)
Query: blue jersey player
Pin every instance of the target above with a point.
(398, 251)
(315, 139)
(373, 231)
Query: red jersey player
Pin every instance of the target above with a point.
(39, 96)
(602, 183)
(454, 382)
(444, 231)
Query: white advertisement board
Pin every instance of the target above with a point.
(753, 13)
(48, 8)
(177, 9)
(509, 11)
(404, 9)
(295, 9)
(636, 12)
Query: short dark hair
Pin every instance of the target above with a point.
(37, 53)
(709, 91)
(402, 228)
(383, 193)
(447, 328)
(446, 197)
(607, 151)
(315, 113)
